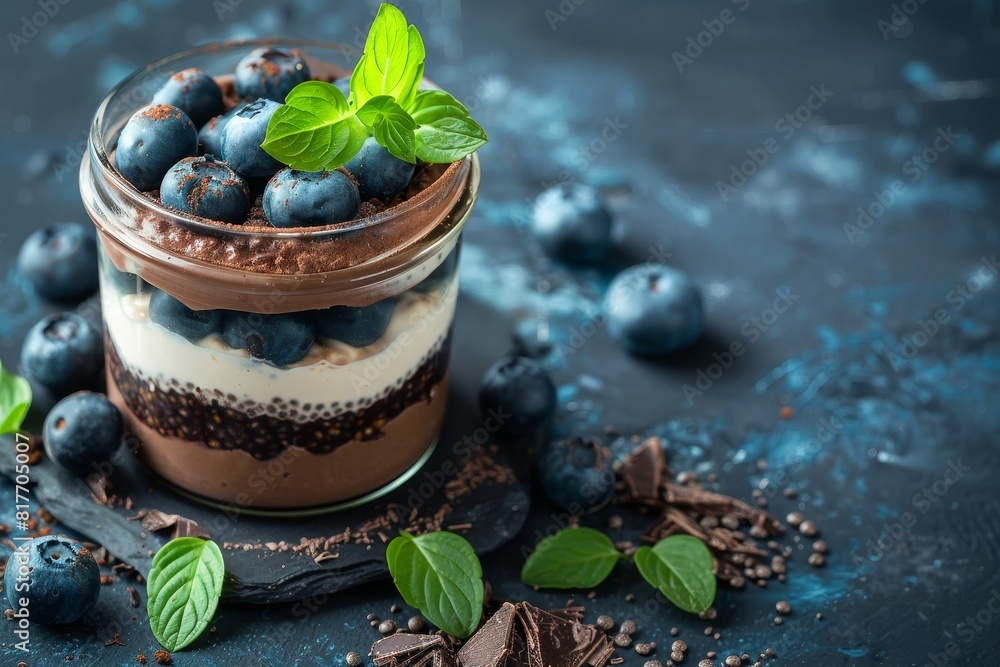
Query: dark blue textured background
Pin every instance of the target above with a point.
(598, 97)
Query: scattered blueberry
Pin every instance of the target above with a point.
(242, 137)
(277, 339)
(572, 223)
(61, 261)
(576, 474)
(270, 73)
(210, 134)
(153, 140)
(653, 309)
(307, 198)
(63, 352)
(519, 389)
(440, 276)
(81, 431)
(174, 316)
(194, 92)
(379, 173)
(205, 187)
(59, 576)
(355, 326)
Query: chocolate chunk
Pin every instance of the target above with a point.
(403, 650)
(155, 520)
(642, 470)
(491, 645)
(555, 642)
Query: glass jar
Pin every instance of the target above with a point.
(313, 371)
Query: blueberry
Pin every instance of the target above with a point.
(174, 316)
(576, 474)
(207, 188)
(355, 326)
(307, 198)
(61, 261)
(153, 140)
(63, 578)
(63, 352)
(242, 137)
(653, 309)
(518, 387)
(379, 173)
(441, 276)
(277, 339)
(572, 223)
(270, 73)
(81, 431)
(194, 92)
(210, 134)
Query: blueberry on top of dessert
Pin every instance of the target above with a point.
(380, 175)
(306, 198)
(242, 137)
(152, 141)
(210, 134)
(194, 92)
(270, 73)
(205, 187)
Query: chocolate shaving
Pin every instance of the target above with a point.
(98, 488)
(155, 520)
(523, 635)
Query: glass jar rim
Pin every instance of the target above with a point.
(142, 201)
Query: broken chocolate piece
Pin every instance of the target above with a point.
(642, 471)
(491, 644)
(403, 650)
(155, 520)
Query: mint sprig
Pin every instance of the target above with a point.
(679, 566)
(184, 587)
(317, 128)
(15, 400)
(572, 558)
(439, 574)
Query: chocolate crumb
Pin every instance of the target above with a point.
(617, 661)
(817, 560)
(387, 627)
(115, 641)
(778, 620)
(679, 646)
(353, 659)
(133, 597)
(706, 663)
(808, 528)
(623, 640)
(794, 519)
(644, 648)
(630, 597)
(652, 663)
(615, 522)
(674, 632)
(709, 614)
(711, 655)
(141, 658)
(416, 624)
(783, 607)
(819, 546)
(394, 608)
(676, 656)
(819, 616)
(162, 657)
(628, 627)
(769, 652)
(605, 622)
(733, 660)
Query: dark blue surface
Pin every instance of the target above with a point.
(785, 163)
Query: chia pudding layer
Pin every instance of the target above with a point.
(344, 420)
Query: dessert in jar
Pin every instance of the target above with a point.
(275, 339)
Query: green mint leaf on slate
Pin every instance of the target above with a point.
(393, 127)
(572, 558)
(393, 60)
(439, 574)
(184, 586)
(680, 567)
(15, 399)
(445, 131)
(315, 129)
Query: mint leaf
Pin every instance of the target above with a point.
(184, 586)
(393, 60)
(393, 127)
(15, 399)
(680, 567)
(572, 558)
(315, 129)
(439, 574)
(445, 131)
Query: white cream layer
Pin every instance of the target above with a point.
(332, 371)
